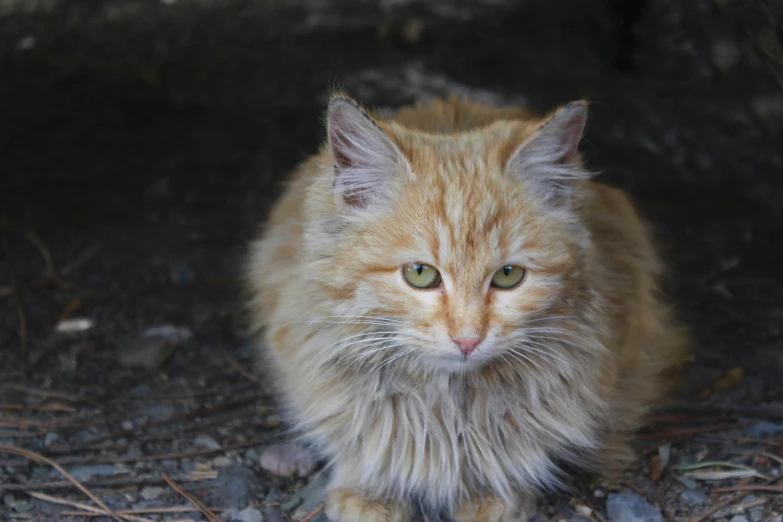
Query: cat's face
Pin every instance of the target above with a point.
(454, 259)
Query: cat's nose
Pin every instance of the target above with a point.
(467, 344)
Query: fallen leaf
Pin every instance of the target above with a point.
(729, 380)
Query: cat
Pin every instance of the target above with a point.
(452, 308)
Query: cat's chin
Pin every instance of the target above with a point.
(457, 363)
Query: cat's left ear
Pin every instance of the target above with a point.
(549, 159)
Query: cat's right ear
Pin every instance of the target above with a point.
(365, 158)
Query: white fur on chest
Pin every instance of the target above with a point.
(446, 442)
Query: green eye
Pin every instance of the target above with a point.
(508, 277)
(419, 275)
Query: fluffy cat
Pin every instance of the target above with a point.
(452, 308)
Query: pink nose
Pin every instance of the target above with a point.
(467, 344)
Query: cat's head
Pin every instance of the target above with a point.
(456, 248)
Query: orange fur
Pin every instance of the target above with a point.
(571, 359)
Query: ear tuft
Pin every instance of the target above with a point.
(365, 158)
(550, 157)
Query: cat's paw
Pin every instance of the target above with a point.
(493, 509)
(348, 505)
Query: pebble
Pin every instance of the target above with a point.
(756, 514)
(151, 492)
(146, 349)
(763, 428)
(206, 442)
(222, 462)
(238, 485)
(50, 438)
(74, 325)
(285, 459)
(694, 497)
(630, 507)
(688, 482)
(159, 411)
(248, 515)
(274, 496)
(272, 514)
(739, 518)
(725, 55)
(309, 497)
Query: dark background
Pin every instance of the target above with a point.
(142, 142)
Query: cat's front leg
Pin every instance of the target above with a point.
(494, 509)
(350, 505)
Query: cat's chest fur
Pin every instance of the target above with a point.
(451, 437)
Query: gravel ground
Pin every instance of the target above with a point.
(143, 141)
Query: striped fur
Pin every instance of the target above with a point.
(570, 362)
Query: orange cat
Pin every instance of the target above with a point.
(451, 307)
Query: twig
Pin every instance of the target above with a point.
(311, 515)
(720, 505)
(40, 392)
(94, 511)
(238, 367)
(102, 483)
(40, 458)
(33, 238)
(774, 489)
(80, 260)
(692, 431)
(148, 511)
(211, 516)
(709, 511)
(772, 456)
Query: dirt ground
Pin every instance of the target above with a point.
(141, 142)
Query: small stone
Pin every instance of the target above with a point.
(271, 422)
(146, 349)
(725, 55)
(630, 507)
(50, 438)
(126, 425)
(739, 518)
(238, 486)
(756, 514)
(222, 462)
(694, 497)
(74, 325)
(583, 510)
(181, 275)
(151, 492)
(159, 411)
(206, 442)
(23, 507)
(272, 514)
(9, 499)
(273, 497)
(142, 352)
(285, 459)
(412, 30)
(310, 497)
(599, 493)
(763, 428)
(26, 43)
(248, 515)
(688, 482)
